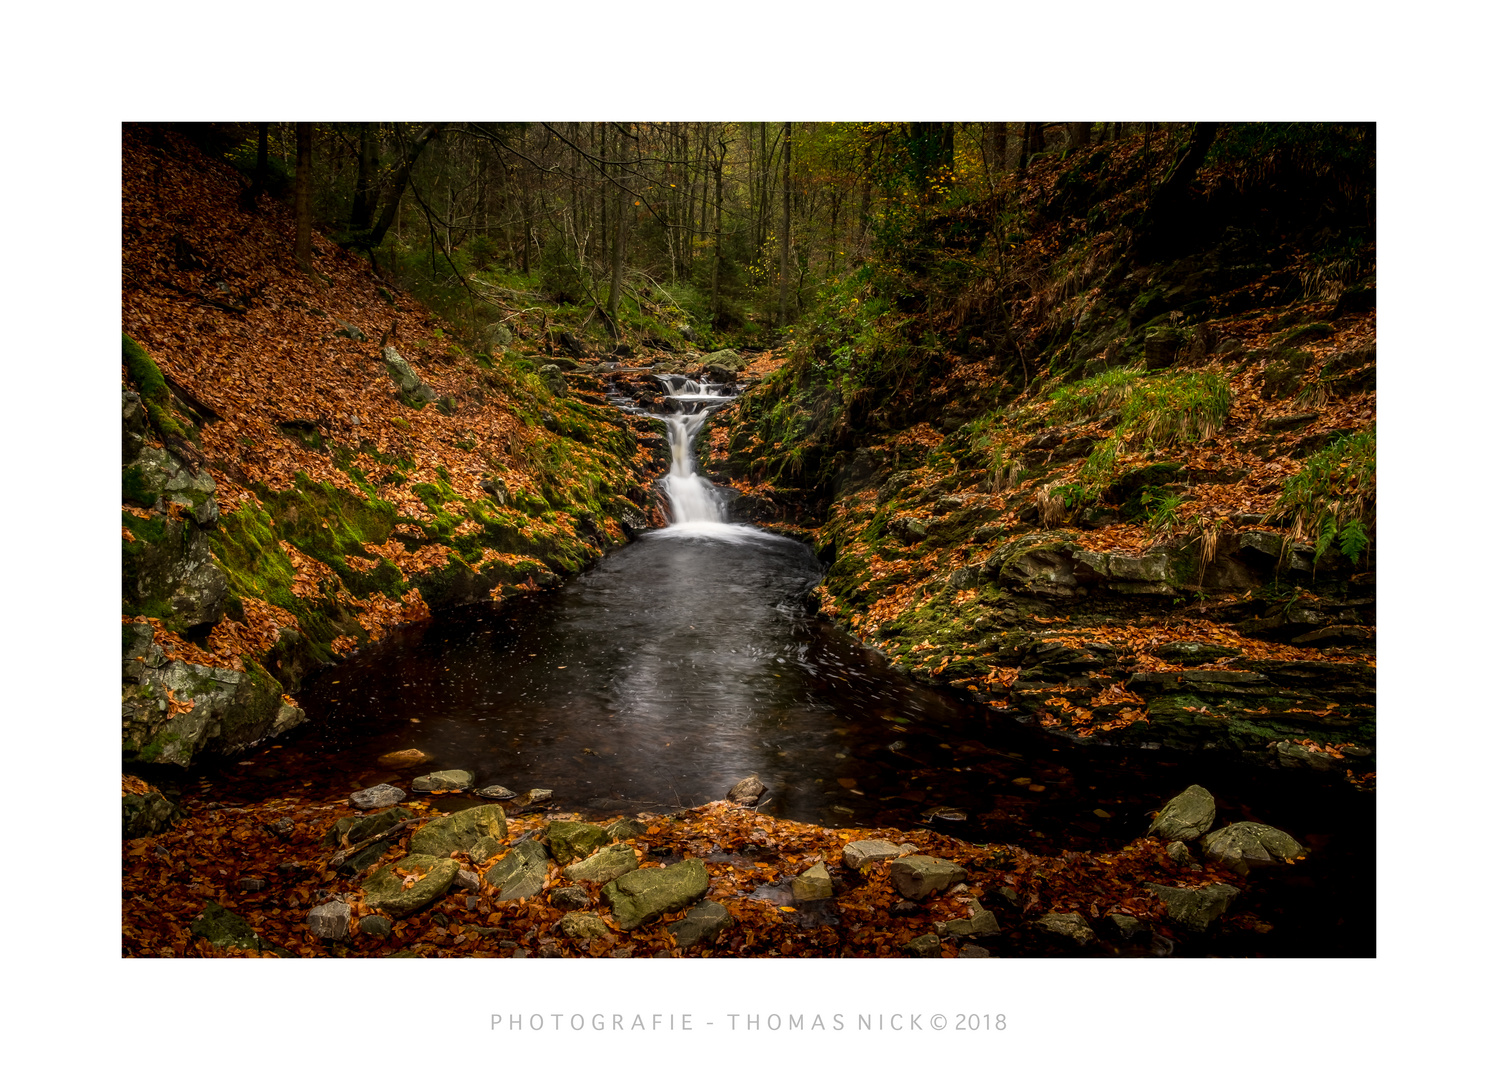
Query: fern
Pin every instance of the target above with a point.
(1353, 540)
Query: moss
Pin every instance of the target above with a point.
(154, 394)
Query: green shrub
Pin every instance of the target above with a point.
(1331, 498)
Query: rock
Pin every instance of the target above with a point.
(605, 865)
(1009, 896)
(225, 928)
(552, 378)
(973, 952)
(148, 814)
(1179, 853)
(157, 475)
(355, 828)
(568, 898)
(927, 945)
(701, 925)
(747, 791)
(537, 795)
(460, 831)
(408, 385)
(386, 890)
(484, 849)
(467, 881)
(520, 873)
(569, 840)
(497, 336)
(812, 884)
(330, 921)
(979, 922)
(283, 827)
(625, 829)
(251, 884)
(1124, 928)
(1068, 925)
(726, 359)
(377, 797)
(446, 780)
(494, 791)
(1246, 844)
(403, 759)
(348, 330)
(582, 926)
(1194, 909)
(1292, 755)
(643, 895)
(376, 926)
(861, 853)
(917, 876)
(1186, 817)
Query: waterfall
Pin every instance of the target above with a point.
(696, 506)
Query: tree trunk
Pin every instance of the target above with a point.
(304, 197)
(398, 186)
(717, 222)
(1078, 135)
(262, 169)
(785, 227)
(361, 215)
(616, 282)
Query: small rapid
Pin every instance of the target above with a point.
(697, 507)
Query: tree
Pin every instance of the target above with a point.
(304, 197)
(785, 226)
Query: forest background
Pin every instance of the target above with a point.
(1421, 83)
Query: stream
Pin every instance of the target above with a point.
(688, 660)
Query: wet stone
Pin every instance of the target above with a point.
(377, 797)
(918, 876)
(570, 840)
(1186, 817)
(460, 831)
(643, 895)
(1244, 845)
(1068, 925)
(376, 926)
(330, 921)
(604, 866)
(1124, 928)
(973, 952)
(747, 791)
(582, 925)
(568, 898)
(812, 884)
(495, 791)
(521, 873)
(484, 849)
(861, 853)
(1194, 909)
(446, 780)
(403, 759)
(701, 924)
(625, 829)
(927, 945)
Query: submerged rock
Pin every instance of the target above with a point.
(403, 759)
(1186, 817)
(446, 780)
(494, 791)
(643, 895)
(747, 791)
(812, 884)
(377, 797)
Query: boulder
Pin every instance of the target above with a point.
(330, 921)
(1124, 928)
(225, 928)
(605, 865)
(409, 386)
(537, 795)
(386, 888)
(812, 884)
(1246, 844)
(861, 853)
(484, 849)
(1186, 817)
(747, 791)
(977, 923)
(446, 780)
(376, 926)
(1194, 908)
(158, 475)
(377, 797)
(727, 359)
(582, 926)
(520, 873)
(973, 952)
(570, 840)
(496, 336)
(917, 876)
(460, 831)
(552, 378)
(168, 566)
(494, 791)
(643, 895)
(356, 828)
(701, 925)
(1068, 925)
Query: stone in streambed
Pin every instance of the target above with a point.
(625, 829)
(812, 884)
(1194, 909)
(494, 791)
(446, 780)
(978, 922)
(701, 925)
(484, 849)
(403, 759)
(1246, 844)
(747, 791)
(605, 865)
(330, 921)
(377, 797)
(642, 895)
(376, 926)
(1068, 925)
(1125, 928)
(927, 945)
(387, 891)
(568, 898)
(355, 828)
(1186, 817)
(521, 873)
(861, 853)
(582, 926)
(917, 876)
(225, 928)
(460, 831)
(570, 840)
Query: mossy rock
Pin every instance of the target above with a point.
(643, 895)
(386, 890)
(460, 831)
(569, 840)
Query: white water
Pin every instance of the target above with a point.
(696, 506)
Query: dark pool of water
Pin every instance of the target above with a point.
(684, 663)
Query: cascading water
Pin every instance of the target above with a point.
(696, 506)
